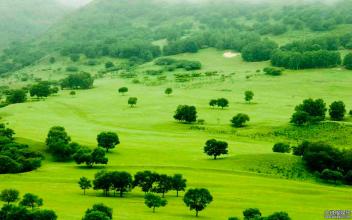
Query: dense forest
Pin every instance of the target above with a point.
(126, 29)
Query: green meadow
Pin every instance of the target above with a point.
(250, 176)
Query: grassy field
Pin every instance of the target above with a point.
(251, 176)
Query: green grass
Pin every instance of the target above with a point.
(251, 176)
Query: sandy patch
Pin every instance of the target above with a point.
(230, 54)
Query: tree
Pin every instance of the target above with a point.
(310, 111)
(109, 65)
(9, 195)
(348, 177)
(74, 57)
(168, 91)
(84, 183)
(163, 184)
(178, 183)
(347, 61)
(72, 93)
(239, 120)
(251, 214)
(80, 80)
(145, 180)
(12, 212)
(281, 148)
(98, 157)
(258, 51)
(278, 216)
(213, 102)
(31, 200)
(197, 199)
(121, 182)
(108, 140)
(215, 148)
(123, 90)
(248, 96)
(102, 180)
(222, 102)
(43, 215)
(186, 113)
(42, 89)
(98, 212)
(132, 101)
(59, 145)
(337, 110)
(154, 201)
(329, 175)
(16, 96)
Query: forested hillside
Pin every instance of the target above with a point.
(23, 20)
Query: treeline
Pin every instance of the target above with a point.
(15, 157)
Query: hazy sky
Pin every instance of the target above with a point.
(74, 3)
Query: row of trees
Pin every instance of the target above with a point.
(15, 157)
(312, 111)
(59, 144)
(27, 208)
(255, 214)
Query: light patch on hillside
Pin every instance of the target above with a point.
(230, 54)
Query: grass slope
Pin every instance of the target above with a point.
(251, 176)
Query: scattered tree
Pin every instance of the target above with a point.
(251, 214)
(108, 140)
(215, 148)
(222, 102)
(239, 120)
(123, 90)
(132, 101)
(31, 200)
(278, 216)
(16, 96)
(337, 111)
(248, 96)
(197, 199)
(163, 184)
(84, 183)
(154, 201)
(145, 180)
(9, 195)
(186, 113)
(168, 91)
(282, 148)
(80, 80)
(98, 212)
(178, 183)
(89, 157)
(40, 90)
(213, 102)
(310, 111)
(121, 182)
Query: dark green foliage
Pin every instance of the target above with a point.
(163, 184)
(310, 111)
(233, 218)
(109, 65)
(282, 148)
(145, 180)
(40, 90)
(11, 212)
(58, 143)
(108, 140)
(84, 183)
(16, 96)
(213, 102)
(278, 216)
(168, 91)
(248, 96)
(215, 148)
(337, 111)
(347, 61)
(258, 51)
(348, 177)
(252, 214)
(178, 183)
(32, 201)
(331, 175)
(119, 181)
(123, 90)
(304, 60)
(43, 215)
(98, 212)
(14, 157)
(9, 195)
(80, 80)
(132, 101)
(74, 57)
(72, 93)
(239, 120)
(172, 64)
(222, 102)
(197, 199)
(299, 150)
(154, 201)
(89, 157)
(186, 113)
(272, 71)
(72, 69)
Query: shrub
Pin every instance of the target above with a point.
(239, 120)
(186, 113)
(273, 71)
(347, 62)
(331, 175)
(72, 69)
(282, 148)
(310, 111)
(337, 111)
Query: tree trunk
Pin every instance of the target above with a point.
(215, 157)
(176, 193)
(153, 209)
(84, 191)
(196, 213)
(163, 194)
(121, 193)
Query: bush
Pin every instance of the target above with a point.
(337, 111)
(186, 113)
(273, 71)
(239, 120)
(278, 216)
(347, 62)
(281, 148)
(81, 80)
(331, 175)
(16, 96)
(72, 69)
(310, 111)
